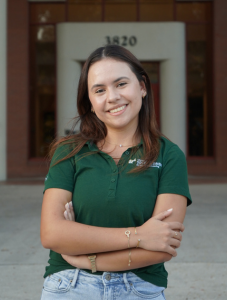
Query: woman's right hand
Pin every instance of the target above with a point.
(156, 235)
(69, 212)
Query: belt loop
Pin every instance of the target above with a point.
(126, 281)
(75, 277)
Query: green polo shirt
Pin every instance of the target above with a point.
(106, 195)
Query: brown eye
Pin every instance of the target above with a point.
(99, 91)
(122, 84)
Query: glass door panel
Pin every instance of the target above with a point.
(156, 11)
(42, 89)
(120, 11)
(84, 11)
(194, 12)
(47, 13)
(199, 65)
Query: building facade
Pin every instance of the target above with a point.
(181, 44)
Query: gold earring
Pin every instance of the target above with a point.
(92, 110)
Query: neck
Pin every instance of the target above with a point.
(123, 137)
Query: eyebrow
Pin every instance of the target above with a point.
(116, 80)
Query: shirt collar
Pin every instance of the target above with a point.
(92, 146)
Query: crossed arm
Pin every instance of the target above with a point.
(110, 244)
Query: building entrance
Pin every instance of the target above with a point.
(197, 17)
(75, 42)
(152, 69)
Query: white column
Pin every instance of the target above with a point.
(3, 13)
(67, 81)
(68, 75)
(173, 93)
(173, 104)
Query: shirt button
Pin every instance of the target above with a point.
(112, 180)
(114, 170)
(127, 152)
(108, 277)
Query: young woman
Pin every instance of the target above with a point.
(126, 184)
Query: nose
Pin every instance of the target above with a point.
(112, 95)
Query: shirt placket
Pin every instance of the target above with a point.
(115, 175)
(113, 181)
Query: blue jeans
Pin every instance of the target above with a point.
(80, 285)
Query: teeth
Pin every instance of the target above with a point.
(118, 109)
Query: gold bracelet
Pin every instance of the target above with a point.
(129, 258)
(127, 233)
(138, 239)
(92, 258)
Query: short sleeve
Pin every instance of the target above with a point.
(61, 175)
(174, 175)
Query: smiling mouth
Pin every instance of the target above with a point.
(117, 109)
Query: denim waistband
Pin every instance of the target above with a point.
(107, 278)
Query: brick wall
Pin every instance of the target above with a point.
(217, 166)
(18, 164)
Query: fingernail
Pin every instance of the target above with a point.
(170, 209)
(70, 203)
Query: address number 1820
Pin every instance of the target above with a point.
(121, 40)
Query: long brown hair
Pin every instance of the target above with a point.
(91, 128)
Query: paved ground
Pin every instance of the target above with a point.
(198, 272)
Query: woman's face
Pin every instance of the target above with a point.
(115, 93)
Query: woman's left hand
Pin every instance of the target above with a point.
(78, 261)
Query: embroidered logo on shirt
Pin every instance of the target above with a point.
(156, 165)
(140, 162)
(131, 161)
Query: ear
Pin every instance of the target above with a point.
(143, 88)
